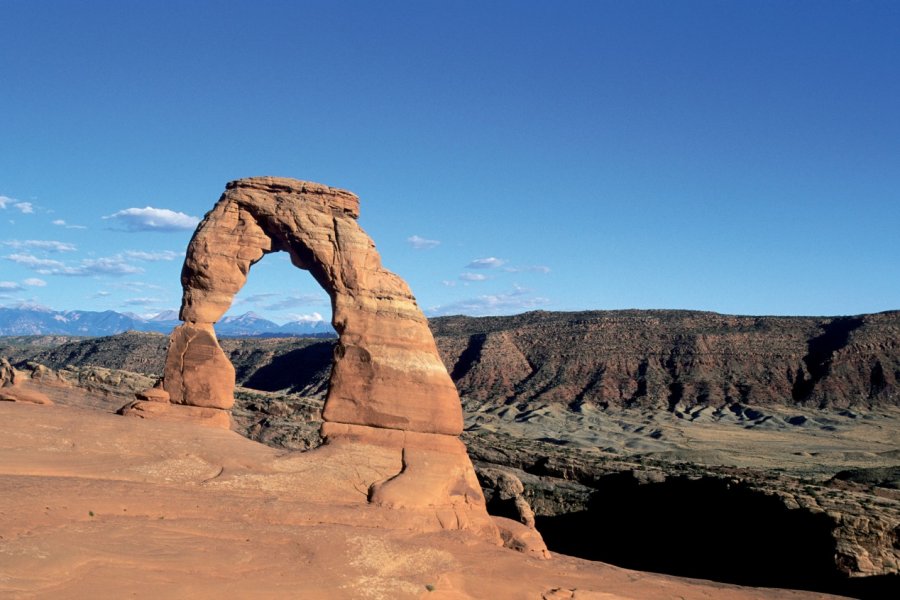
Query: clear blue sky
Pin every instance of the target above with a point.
(741, 157)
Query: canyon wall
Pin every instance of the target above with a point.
(664, 359)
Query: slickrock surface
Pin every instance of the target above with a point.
(97, 506)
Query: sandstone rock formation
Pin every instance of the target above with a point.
(388, 385)
(12, 388)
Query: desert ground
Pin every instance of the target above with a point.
(97, 505)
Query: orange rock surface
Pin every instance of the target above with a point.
(97, 506)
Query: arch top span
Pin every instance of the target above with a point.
(386, 372)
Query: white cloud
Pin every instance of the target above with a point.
(517, 300)
(136, 286)
(530, 269)
(101, 294)
(9, 285)
(151, 256)
(473, 277)
(297, 300)
(62, 223)
(486, 263)
(48, 245)
(420, 243)
(114, 265)
(449, 283)
(141, 301)
(26, 208)
(153, 219)
(35, 282)
(33, 262)
(30, 305)
(257, 298)
(313, 317)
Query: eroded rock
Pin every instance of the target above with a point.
(388, 386)
(13, 388)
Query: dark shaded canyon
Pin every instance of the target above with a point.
(708, 529)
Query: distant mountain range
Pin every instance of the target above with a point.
(43, 321)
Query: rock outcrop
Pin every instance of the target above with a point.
(13, 389)
(387, 387)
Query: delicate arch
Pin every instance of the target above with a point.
(386, 371)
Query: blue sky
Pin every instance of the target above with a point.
(740, 157)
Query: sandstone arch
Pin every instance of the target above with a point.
(388, 386)
(386, 373)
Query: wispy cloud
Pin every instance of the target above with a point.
(153, 219)
(26, 208)
(529, 269)
(297, 300)
(151, 256)
(62, 223)
(313, 317)
(519, 299)
(35, 282)
(486, 263)
(141, 301)
(113, 265)
(473, 277)
(48, 245)
(135, 286)
(9, 285)
(33, 262)
(257, 298)
(101, 294)
(420, 243)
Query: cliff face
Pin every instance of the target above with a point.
(673, 360)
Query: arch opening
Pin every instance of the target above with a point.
(278, 300)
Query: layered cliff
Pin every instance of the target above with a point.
(674, 360)
(671, 360)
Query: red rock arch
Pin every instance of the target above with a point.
(388, 386)
(386, 372)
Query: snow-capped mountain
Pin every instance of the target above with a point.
(36, 320)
